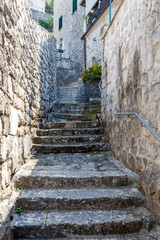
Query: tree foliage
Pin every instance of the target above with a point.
(49, 7)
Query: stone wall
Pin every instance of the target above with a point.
(67, 72)
(131, 80)
(41, 15)
(69, 37)
(27, 90)
(38, 5)
(93, 37)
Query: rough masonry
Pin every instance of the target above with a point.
(131, 80)
(27, 89)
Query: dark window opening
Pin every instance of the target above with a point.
(74, 5)
(60, 22)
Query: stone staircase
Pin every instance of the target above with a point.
(73, 189)
(76, 129)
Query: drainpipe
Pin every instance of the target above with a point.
(110, 12)
(84, 54)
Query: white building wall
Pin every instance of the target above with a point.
(89, 5)
(93, 37)
(38, 5)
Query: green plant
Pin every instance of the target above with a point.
(49, 7)
(18, 210)
(35, 20)
(92, 73)
(85, 17)
(46, 151)
(48, 23)
(18, 189)
(135, 185)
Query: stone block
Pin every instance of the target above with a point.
(138, 96)
(2, 101)
(1, 129)
(131, 161)
(142, 146)
(154, 92)
(133, 145)
(6, 125)
(155, 35)
(144, 79)
(1, 60)
(130, 99)
(27, 144)
(152, 150)
(1, 78)
(13, 121)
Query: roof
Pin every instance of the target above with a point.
(101, 12)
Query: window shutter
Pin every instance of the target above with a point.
(74, 5)
(60, 22)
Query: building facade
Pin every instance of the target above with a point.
(97, 16)
(78, 26)
(68, 29)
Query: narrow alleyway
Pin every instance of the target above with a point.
(73, 187)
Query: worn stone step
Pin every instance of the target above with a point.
(70, 147)
(52, 224)
(70, 131)
(68, 139)
(81, 117)
(84, 112)
(50, 177)
(85, 105)
(132, 236)
(75, 124)
(74, 199)
(74, 109)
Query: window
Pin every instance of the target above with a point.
(60, 22)
(74, 5)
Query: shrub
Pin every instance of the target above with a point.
(47, 24)
(92, 73)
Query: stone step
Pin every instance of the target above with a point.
(84, 112)
(70, 147)
(75, 199)
(52, 224)
(133, 236)
(68, 139)
(75, 124)
(80, 117)
(77, 108)
(70, 131)
(79, 104)
(50, 177)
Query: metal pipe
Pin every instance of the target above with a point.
(110, 12)
(129, 113)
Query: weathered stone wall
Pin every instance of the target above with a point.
(27, 89)
(93, 37)
(131, 80)
(69, 37)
